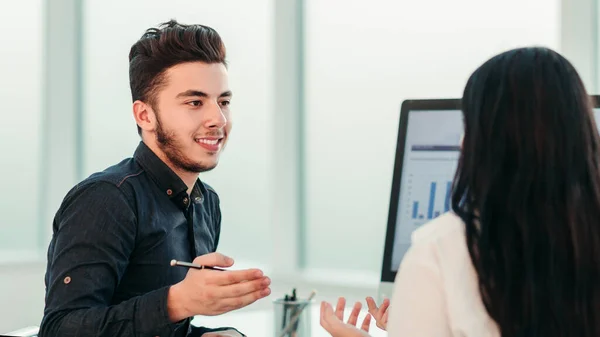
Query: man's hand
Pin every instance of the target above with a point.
(211, 292)
(380, 314)
(334, 324)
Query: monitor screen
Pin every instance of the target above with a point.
(431, 152)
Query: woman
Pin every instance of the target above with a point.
(520, 253)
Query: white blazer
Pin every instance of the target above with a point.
(436, 292)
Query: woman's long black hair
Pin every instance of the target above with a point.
(528, 189)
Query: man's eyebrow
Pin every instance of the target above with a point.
(198, 93)
(191, 93)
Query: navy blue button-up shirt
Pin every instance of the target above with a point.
(114, 236)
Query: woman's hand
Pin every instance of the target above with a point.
(334, 324)
(380, 314)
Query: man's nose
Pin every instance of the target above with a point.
(215, 119)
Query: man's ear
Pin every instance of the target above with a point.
(144, 116)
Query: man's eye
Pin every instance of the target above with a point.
(225, 103)
(195, 103)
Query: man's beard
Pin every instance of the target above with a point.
(172, 149)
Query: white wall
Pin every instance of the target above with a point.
(242, 177)
(365, 57)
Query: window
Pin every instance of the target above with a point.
(361, 63)
(21, 130)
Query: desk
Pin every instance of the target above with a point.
(260, 323)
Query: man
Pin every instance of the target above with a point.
(109, 271)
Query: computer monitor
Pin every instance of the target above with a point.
(427, 152)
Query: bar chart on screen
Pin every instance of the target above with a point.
(427, 197)
(426, 185)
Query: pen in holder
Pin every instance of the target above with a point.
(293, 316)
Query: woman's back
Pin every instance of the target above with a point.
(436, 291)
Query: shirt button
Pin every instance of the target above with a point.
(169, 192)
(67, 280)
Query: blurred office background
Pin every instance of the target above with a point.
(305, 179)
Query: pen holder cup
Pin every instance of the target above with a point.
(285, 311)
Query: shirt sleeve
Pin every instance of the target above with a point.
(94, 235)
(418, 306)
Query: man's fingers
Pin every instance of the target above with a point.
(234, 303)
(354, 314)
(228, 277)
(339, 309)
(244, 288)
(366, 324)
(214, 260)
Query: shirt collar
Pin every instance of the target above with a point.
(167, 180)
